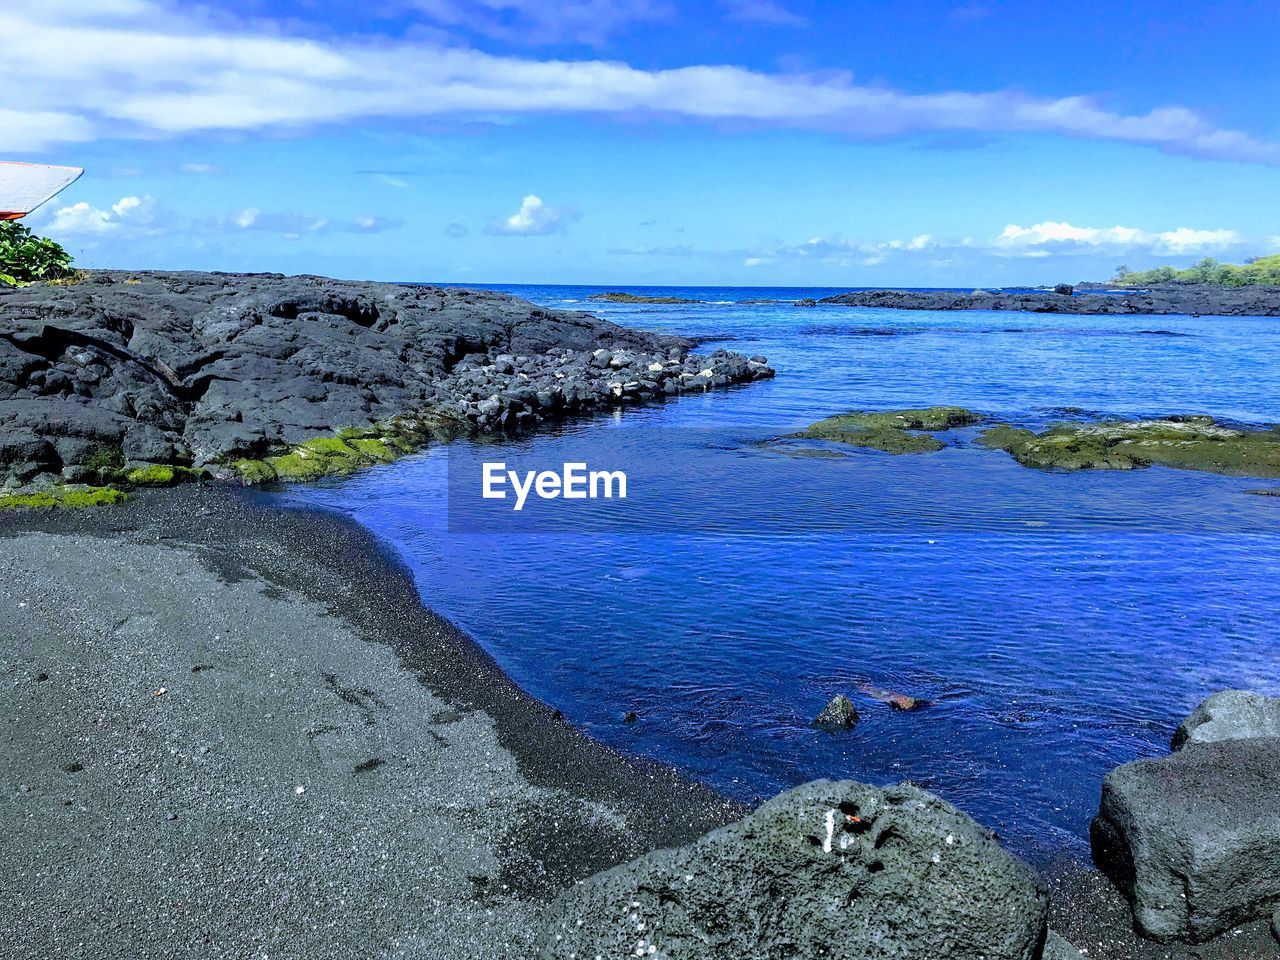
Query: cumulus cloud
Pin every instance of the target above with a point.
(533, 219)
(1043, 240)
(132, 215)
(1182, 240)
(131, 68)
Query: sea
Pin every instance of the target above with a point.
(1058, 624)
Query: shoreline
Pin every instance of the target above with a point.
(579, 806)
(540, 801)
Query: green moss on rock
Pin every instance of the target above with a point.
(1186, 443)
(154, 475)
(890, 430)
(64, 498)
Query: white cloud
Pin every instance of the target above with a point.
(131, 68)
(1063, 235)
(1043, 240)
(533, 219)
(132, 215)
(201, 169)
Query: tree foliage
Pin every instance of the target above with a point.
(25, 258)
(1258, 270)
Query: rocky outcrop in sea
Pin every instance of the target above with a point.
(1174, 298)
(123, 372)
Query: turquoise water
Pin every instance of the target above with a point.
(1060, 623)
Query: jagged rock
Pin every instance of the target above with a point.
(205, 369)
(838, 714)
(1230, 715)
(1193, 839)
(806, 302)
(1064, 289)
(830, 869)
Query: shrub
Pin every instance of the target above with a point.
(25, 258)
(1260, 270)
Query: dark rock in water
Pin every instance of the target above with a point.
(899, 701)
(630, 717)
(1064, 289)
(122, 371)
(1265, 492)
(830, 869)
(839, 714)
(806, 302)
(1193, 839)
(1194, 299)
(1230, 715)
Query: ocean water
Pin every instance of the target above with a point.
(1060, 624)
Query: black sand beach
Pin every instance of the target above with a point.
(235, 731)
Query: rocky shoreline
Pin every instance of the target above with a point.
(235, 730)
(137, 377)
(1183, 298)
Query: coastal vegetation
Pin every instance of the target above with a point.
(1187, 443)
(1258, 271)
(891, 431)
(26, 258)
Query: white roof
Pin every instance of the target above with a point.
(24, 186)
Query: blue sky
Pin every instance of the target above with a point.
(751, 142)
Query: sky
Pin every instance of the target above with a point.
(651, 142)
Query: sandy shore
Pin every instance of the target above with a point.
(234, 731)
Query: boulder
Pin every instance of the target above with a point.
(1230, 715)
(1193, 839)
(1057, 948)
(838, 714)
(1064, 290)
(830, 869)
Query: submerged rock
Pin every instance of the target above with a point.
(839, 714)
(1193, 839)
(891, 431)
(1188, 443)
(899, 701)
(830, 869)
(1230, 715)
